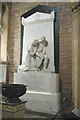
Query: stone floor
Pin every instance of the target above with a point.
(42, 116)
(35, 115)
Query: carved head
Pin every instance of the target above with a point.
(45, 43)
(35, 43)
(43, 38)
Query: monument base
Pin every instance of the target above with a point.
(43, 91)
(13, 110)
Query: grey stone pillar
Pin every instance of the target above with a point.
(76, 53)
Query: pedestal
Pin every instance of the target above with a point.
(43, 91)
(13, 110)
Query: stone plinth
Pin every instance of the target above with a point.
(43, 90)
(13, 110)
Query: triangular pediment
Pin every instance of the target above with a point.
(38, 16)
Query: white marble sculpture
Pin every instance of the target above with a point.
(43, 88)
(35, 26)
(31, 52)
(43, 43)
(37, 49)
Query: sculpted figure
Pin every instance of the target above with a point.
(37, 49)
(31, 53)
(43, 43)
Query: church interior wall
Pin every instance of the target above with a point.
(65, 41)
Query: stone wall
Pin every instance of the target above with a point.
(65, 41)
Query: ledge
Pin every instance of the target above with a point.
(4, 62)
(38, 17)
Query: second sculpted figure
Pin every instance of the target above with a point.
(37, 49)
(43, 43)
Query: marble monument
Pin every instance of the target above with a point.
(37, 70)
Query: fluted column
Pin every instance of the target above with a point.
(76, 53)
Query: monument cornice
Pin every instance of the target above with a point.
(75, 6)
(38, 17)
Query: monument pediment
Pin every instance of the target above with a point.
(38, 17)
